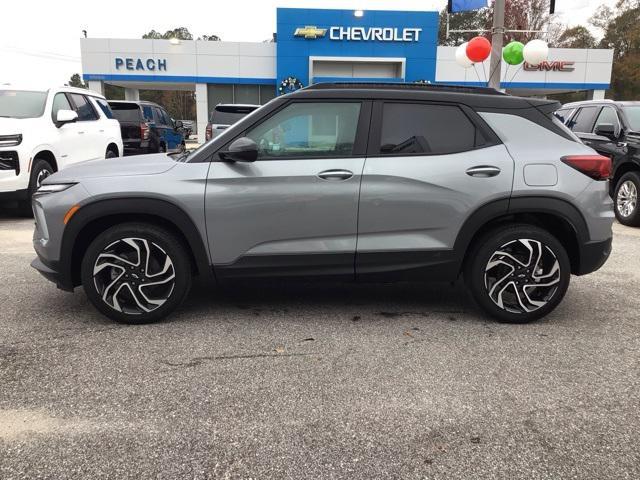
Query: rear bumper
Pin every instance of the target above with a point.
(593, 255)
(51, 272)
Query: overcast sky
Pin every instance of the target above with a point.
(39, 39)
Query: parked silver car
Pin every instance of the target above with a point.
(356, 181)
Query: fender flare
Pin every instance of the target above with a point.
(516, 205)
(132, 205)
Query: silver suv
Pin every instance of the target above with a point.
(362, 181)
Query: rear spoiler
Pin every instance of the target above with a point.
(545, 106)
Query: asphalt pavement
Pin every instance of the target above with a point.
(317, 381)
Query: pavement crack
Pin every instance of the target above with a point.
(194, 362)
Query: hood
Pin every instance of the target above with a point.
(12, 126)
(152, 164)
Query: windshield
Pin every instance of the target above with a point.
(633, 115)
(229, 115)
(22, 103)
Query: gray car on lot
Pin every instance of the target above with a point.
(364, 182)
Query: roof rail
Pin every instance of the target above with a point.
(404, 86)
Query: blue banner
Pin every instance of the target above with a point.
(466, 5)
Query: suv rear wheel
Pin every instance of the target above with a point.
(136, 273)
(518, 274)
(626, 199)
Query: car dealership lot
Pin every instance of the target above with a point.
(320, 381)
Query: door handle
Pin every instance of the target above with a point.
(483, 171)
(335, 174)
(80, 133)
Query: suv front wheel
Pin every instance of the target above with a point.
(518, 274)
(626, 199)
(136, 273)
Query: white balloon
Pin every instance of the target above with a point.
(461, 56)
(535, 52)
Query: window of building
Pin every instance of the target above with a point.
(308, 130)
(413, 128)
(241, 93)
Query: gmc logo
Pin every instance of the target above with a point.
(550, 66)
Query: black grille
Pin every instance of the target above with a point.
(9, 161)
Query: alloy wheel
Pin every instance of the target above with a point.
(42, 174)
(134, 276)
(522, 276)
(627, 199)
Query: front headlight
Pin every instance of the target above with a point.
(52, 188)
(10, 140)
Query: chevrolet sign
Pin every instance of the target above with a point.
(375, 33)
(310, 32)
(379, 34)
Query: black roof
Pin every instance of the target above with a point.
(404, 86)
(477, 97)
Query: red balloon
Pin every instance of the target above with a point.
(478, 49)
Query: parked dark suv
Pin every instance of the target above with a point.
(612, 129)
(354, 181)
(147, 128)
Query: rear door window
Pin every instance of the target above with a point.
(104, 106)
(583, 120)
(147, 113)
(84, 108)
(425, 129)
(564, 114)
(158, 116)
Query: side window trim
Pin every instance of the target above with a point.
(375, 136)
(361, 140)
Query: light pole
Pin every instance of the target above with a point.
(497, 37)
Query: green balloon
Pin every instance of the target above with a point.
(512, 53)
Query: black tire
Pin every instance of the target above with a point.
(522, 301)
(111, 154)
(40, 170)
(120, 304)
(625, 199)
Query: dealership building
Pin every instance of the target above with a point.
(313, 45)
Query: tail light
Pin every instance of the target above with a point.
(597, 167)
(144, 131)
(209, 132)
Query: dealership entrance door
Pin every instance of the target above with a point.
(322, 69)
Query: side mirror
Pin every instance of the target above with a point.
(242, 149)
(66, 116)
(179, 124)
(606, 130)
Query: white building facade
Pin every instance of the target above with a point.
(323, 45)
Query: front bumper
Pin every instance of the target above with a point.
(593, 255)
(51, 273)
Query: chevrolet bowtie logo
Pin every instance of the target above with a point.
(310, 32)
